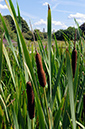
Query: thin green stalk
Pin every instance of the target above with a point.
(49, 50)
(32, 126)
(47, 109)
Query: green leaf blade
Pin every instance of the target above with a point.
(71, 93)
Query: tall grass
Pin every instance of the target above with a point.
(58, 104)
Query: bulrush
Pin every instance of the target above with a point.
(30, 98)
(74, 60)
(74, 57)
(38, 61)
(40, 71)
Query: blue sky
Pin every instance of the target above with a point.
(63, 12)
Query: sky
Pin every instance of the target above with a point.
(63, 12)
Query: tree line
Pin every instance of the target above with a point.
(60, 34)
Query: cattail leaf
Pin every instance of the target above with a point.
(15, 119)
(24, 47)
(20, 118)
(38, 104)
(76, 75)
(1, 57)
(12, 8)
(28, 121)
(58, 113)
(40, 112)
(29, 64)
(18, 41)
(1, 89)
(57, 49)
(5, 108)
(70, 87)
(42, 48)
(80, 125)
(67, 39)
(9, 64)
(19, 18)
(8, 38)
(80, 31)
(57, 80)
(49, 49)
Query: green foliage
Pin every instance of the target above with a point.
(60, 104)
(36, 35)
(70, 32)
(11, 27)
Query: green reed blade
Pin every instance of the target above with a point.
(9, 64)
(8, 38)
(19, 18)
(15, 119)
(70, 87)
(1, 57)
(49, 49)
(57, 80)
(5, 108)
(58, 113)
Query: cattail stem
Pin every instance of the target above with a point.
(75, 39)
(32, 125)
(47, 108)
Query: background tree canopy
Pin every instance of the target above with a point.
(60, 34)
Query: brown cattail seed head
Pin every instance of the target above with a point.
(30, 98)
(38, 61)
(74, 60)
(40, 71)
(41, 77)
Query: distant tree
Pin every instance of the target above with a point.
(59, 35)
(45, 35)
(25, 27)
(24, 24)
(36, 33)
(28, 35)
(69, 32)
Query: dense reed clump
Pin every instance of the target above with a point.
(40, 71)
(30, 98)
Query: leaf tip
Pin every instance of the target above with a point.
(48, 7)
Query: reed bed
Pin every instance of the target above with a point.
(42, 89)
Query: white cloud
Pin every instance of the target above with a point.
(46, 3)
(54, 23)
(58, 23)
(1, 0)
(3, 6)
(80, 21)
(64, 26)
(41, 22)
(77, 15)
(80, 18)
